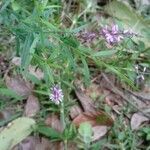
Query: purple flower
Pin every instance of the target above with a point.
(112, 34)
(56, 94)
(87, 36)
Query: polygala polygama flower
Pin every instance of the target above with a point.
(113, 35)
(56, 94)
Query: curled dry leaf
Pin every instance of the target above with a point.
(98, 132)
(136, 120)
(85, 101)
(94, 118)
(54, 122)
(32, 106)
(19, 86)
(75, 111)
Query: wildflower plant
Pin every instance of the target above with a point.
(56, 94)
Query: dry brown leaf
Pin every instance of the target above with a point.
(85, 101)
(98, 132)
(32, 69)
(136, 120)
(27, 144)
(56, 146)
(37, 72)
(16, 61)
(5, 114)
(32, 106)
(19, 86)
(33, 143)
(75, 111)
(94, 118)
(72, 146)
(54, 122)
(94, 91)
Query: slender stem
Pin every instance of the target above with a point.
(62, 115)
(62, 118)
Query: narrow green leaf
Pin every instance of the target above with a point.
(49, 132)
(106, 53)
(10, 93)
(28, 50)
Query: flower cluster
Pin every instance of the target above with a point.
(112, 34)
(56, 95)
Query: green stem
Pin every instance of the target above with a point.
(62, 118)
(62, 115)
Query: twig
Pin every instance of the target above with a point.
(117, 91)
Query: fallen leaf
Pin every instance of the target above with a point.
(30, 143)
(19, 86)
(85, 101)
(94, 91)
(94, 118)
(75, 111)
(37, 72)
(54, 122)
(98, 132)
(49, 145)
(16, 61)
(33, 143)
(32, 106)
(136, 120)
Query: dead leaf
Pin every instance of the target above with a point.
(136, 120)
(56, 146)
(49, 145)
(5, 114)
(32, 106)
(16, 61)
(19, 86)
(75, 111)
(98, 132)
(94, 118)
(72, 146)
(37, 72)
(33, 143)
(54, 122)
(86, 102)
(94, 91)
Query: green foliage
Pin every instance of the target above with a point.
(15, 132)
(85, 132)
(49, 132)
(9, 93)
(43, 40)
